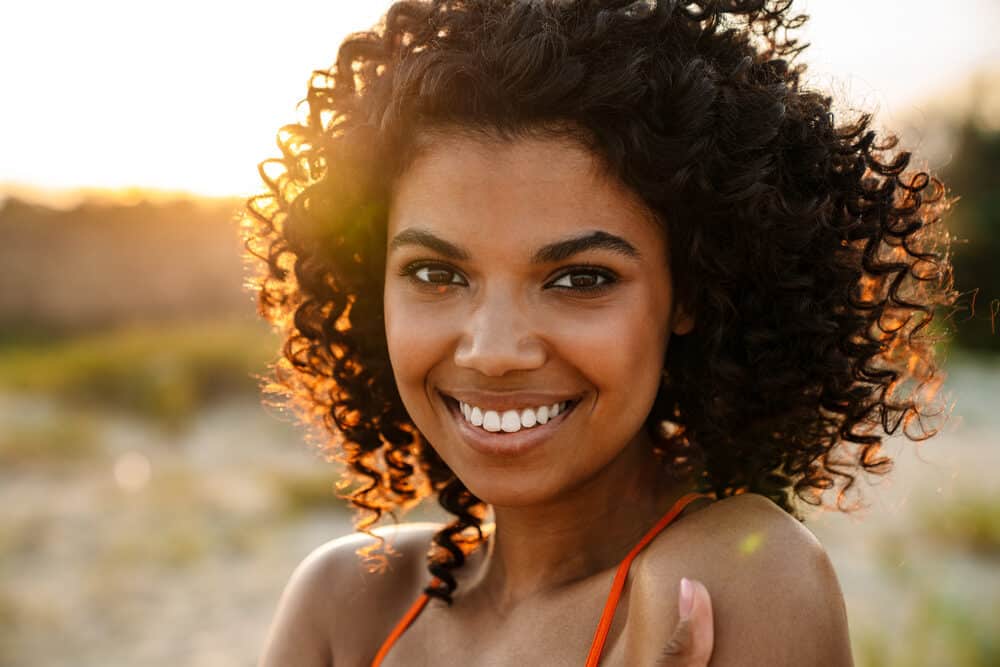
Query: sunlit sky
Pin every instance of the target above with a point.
(187, 96)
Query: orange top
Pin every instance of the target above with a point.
(603, 627)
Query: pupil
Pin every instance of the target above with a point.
(438, 276)
(582, 280)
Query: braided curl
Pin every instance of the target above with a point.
(811, 257)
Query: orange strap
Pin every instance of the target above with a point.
(400, 628)
(594, 657)
(601, 635)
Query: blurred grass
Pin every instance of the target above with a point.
(176, 542)
(21, 613)
(179, 519)
(970, 523)
(303, 492)
(165, 374)
(54, 442)
(940, 628)
(21, 537)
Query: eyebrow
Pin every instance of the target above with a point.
(553, 252)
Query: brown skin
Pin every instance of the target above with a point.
(497, 325)
(777, 605)
(514, 328)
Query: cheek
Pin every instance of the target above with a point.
(621, 355)
(416, 339)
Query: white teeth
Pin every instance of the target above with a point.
(510, 421)
(491, 421)
(542, 414)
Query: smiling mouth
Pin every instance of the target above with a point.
(505, 422)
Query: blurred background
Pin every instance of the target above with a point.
(151, 508)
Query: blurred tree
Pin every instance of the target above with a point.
(104, 264)
(973, 176)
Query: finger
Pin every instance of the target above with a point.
(692, 641)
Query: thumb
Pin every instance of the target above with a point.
(693, 638)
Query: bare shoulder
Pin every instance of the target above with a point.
(775, 595)
(334, 604)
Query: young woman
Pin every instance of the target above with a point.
(605, 281)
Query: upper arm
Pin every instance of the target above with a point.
(775, 596)
(789, 609)
(296, 635)
(334, 605)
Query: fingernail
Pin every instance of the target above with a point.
(686, 598)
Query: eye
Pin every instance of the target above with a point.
(433, 274)
(583, 279)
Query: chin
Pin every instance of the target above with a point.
(509, 488)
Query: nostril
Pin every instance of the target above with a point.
(496, 353)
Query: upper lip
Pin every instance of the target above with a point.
(489, 400)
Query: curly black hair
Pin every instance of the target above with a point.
(812, 258)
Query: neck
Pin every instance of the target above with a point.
(584, 532)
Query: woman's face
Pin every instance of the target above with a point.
(519, 276)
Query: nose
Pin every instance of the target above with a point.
(499, 337)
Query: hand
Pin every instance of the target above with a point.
(693, 638)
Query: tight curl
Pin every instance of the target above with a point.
(811, 257)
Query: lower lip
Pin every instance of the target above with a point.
(502, 443)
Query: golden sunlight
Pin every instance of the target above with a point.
(188, 96)
(751, 543)
(182, 97)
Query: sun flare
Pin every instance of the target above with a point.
(189, 96)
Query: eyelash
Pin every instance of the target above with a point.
(410, 271)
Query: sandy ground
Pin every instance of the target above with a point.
(164, 550)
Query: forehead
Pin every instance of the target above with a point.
(524, 190)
